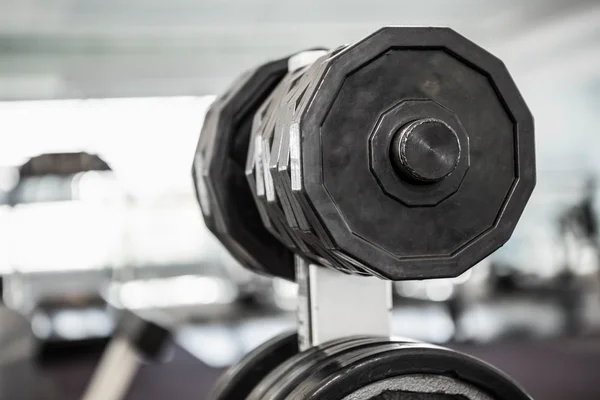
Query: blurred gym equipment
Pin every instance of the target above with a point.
(63, 219)
(20, 377)
(135, 339)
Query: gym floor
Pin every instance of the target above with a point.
(549, 370)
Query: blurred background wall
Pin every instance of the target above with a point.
(80, 49)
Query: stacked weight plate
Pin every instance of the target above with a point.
(362, 368)
(406, 155)
(270, 165)
(225, 198)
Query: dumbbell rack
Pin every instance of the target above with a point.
(333, 305)
(406, 155)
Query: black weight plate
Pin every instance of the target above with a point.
(360, 268)
(254, 177)
(295, 143)
(355, 371)
(295, 220)
(211, 211)
(269, 198)
(294, 147)
(270, 209)
(313, 233)
(274, 222)
(264, 195)
(280, 166)
(329, 368)
(280, 149)
(282, 380)
(255, 246)
(199, 165)
(284, 109)
(253, 159)
(365, 222)
(289, 167)
(326, 366)
(239, 380)
(264, 388)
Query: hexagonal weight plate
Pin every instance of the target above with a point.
(272, 203)
(239, 380)
(290, 164)
(296, 223)
(394, 370)
(264, 195)
(219, 169)
(296, 370)
(438, 233)
(308, 228)
(288, 170)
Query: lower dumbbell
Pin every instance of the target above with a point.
(363, 368)
(241, 379)
(332, 358)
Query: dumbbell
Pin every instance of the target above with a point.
(406, 155)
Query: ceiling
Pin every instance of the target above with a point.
(127, 48)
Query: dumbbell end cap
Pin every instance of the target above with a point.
(426, 150)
